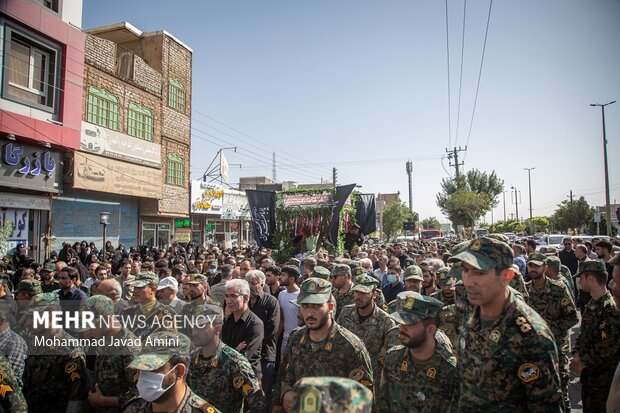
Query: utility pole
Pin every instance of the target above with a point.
(273, 169)
(607, 205)
(516, 202)
(571, 196)
(454, 153)
(529, 184)
(334, 176)
(504, 193)
(409, 168)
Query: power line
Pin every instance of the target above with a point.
(484, 47)
(458, 112)
(449, 93)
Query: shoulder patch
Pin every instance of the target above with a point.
(237, 382)
(528, 372)
(70, 367)
(431, 373)
(310, 401)
(356, 374)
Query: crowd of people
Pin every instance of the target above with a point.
(479, 326)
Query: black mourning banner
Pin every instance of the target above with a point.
(342, 193)
(262, 208)
(366, 213)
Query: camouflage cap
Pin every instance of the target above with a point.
(444, 276)
(31, 286)
(43, 301)
(460, 247)
(499, 237)
(210, 310)
(537, 258)
(159, 348)
(591, 266)
(205, 314)
(485, 253)
(553, 261)
(321, 272)
(365, 283)
(49, 267)
(340, 269)
(310, 261)
(551, 250)
(413, 272)
(455, 272)
(314, 291)
(357, 271)
(198, 279)
(293, 261)
(565, 271)
(145, 278)
(100, 305)
(331, 395)
(413, 307)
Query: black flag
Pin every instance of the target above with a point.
(262, 208)
(342, 193)
(366, 213)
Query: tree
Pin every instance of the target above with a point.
(479, 189)
(573, 214)
(430, 223)
(537, 224)
(6, 230)
(395, 214)
(464, 207)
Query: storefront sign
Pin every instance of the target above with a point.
(96, 173)
(183, 235)
(18, 218)
(235, 206)
(182, 223)
(290, 200)
(116, 145)
(206, 198)
(30, 167)
(23, 201)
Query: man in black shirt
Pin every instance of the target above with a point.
(242, 329)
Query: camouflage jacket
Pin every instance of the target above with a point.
(442, 297)
(55, 376)
(11, 397)
(111, 370)
(217, 293)
(392, 340)
(518, 284)
(341, 354)
(598, 343)
(342, 300)
(447, 319)
(509, 364)
(226, 380)
(193, 308)
(372, 331)
(148, 320)
(380, 300)
(407, 386)
(190, 404)
(555, 305)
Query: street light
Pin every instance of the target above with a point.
(246, 225)
(104, 219)
(516, 203)
(607, 205)
(529, 183)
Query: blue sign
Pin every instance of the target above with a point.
(27, 166)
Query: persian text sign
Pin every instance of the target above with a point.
(27, 166)
(235, 206)
(206, 198)
(96, 173)
(116, 145)
(289, 200)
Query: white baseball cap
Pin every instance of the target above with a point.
(168, 282)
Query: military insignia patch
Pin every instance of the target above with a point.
(404, 366)
(494, 336)
(475, 246)
(565, 302)
(603, 335)
(310, 401)
(356, 374)
(209, 409)
(431, 373)
(420, 396)
(4, 389)
(528, 372)
(329, 346)
(246, 389)
(526, 328)
(213, 363)
(521, 320)
(313, 288)
(409, 303)
(384, 307)
(71, 367)
(237, 382)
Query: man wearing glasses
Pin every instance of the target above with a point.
(567, 255)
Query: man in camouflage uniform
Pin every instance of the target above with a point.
(447, 315)
(156, 316)
(508, 360)
(445, 282)
(322, 347)
(597, 350)
(165, 360)
(321, 272)
(331, 395)
(342, 282)
(11, 397)
(553, 302)
(553, 272)
(419, 375)
(219, 373)
(55, 373)
(114, 383)
(198, 290)
(367, 321)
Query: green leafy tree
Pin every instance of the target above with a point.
(395, 214)
(430, 223)
(537, 224)
(573, 215)
(5, 232)
(481, 191)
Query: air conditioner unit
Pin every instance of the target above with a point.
(124, 66)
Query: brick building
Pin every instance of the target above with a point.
(133, 159)
(42, 52)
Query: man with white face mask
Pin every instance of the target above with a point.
(161, 384)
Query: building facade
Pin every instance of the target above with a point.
(134, 148)
(42, 73)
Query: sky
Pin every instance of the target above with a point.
(364, 86)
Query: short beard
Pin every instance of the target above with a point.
(414, 342)
(322, 323)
